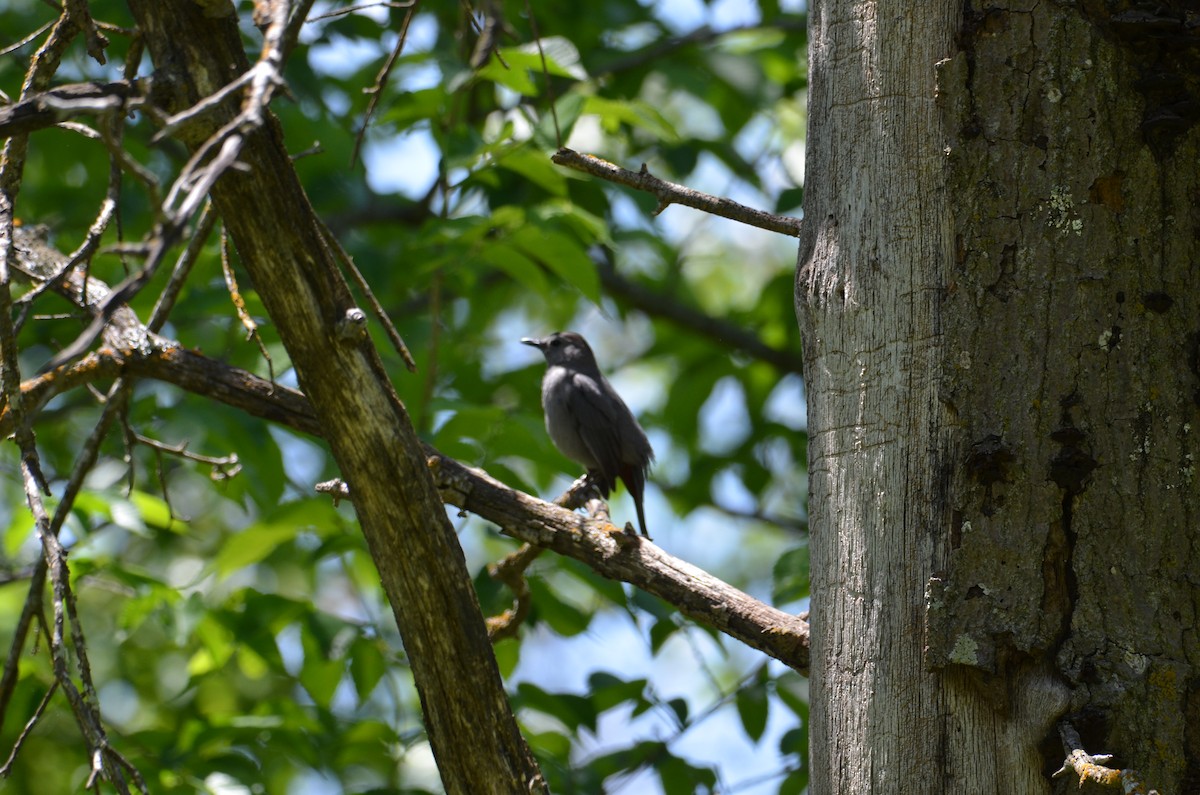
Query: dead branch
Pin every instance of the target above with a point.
(1093, 767)
(45, 109)
(669, 193)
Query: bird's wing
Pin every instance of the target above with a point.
(598, 417)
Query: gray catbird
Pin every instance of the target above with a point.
(587, 420)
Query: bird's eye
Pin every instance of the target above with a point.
(554, 343)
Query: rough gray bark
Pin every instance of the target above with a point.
(470, 725)
(873, 258)
(1073, 324)
(1001, 317)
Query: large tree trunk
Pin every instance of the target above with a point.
(1001, 314)
(873, 261)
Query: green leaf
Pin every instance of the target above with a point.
(574, 711)
(508, 654)
(607, 691)
(410, 107)
(217, 645)
(792, 690)
(252, 545)
(553, 744)
(563, 618)
(516, 67)
(319, 674)
(680, 708)
(792, 742)
(367, 666)
(20, 528)
(795, 783)
(680, 777)
(791, 575)
(155, 512)
(615, 113)
(790, 199)
(661, 631)
(536, 167)
(752, 707)
(256, 542)
(562, 255)
(516, 75)
(515, 263)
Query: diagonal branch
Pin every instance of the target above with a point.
(723, 332)
(637, 561)
(669, 193)
(60, 104)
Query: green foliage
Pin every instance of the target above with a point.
(234, 623)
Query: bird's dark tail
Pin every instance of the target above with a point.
(635, 480)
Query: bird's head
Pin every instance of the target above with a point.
(565, 348)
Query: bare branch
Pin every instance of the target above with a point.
(721, 331)
(29, 724)
(57, 105)
(669, 193)
(79, 14)
(637, 561)
(228, 465)
(183, 267)
(376, 91)
(342, 256)
(1093, 767)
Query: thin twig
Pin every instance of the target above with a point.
(31, 609)
(344, 10)
(22, 42)
(291, 35)
(206, 105)
(376, 91)
(487, 41)
(558, 141)
(267, 74)
(239, 305)
(510, 569)
(180, 449)
(79, 14)
(183, 267)
(29, 724)
(347, 262)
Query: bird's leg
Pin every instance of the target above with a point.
(593, 494)
(579, 493)
(595, 481)
(587, 493)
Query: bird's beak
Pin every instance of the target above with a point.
(537, 343)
